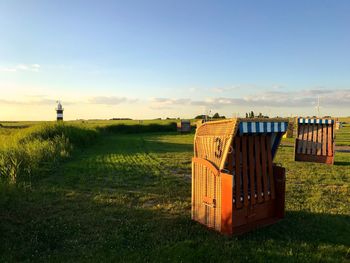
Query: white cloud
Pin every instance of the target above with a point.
(21, 67)
(304, 98)
(225, 89)
(44, 100)
(110, 100)
(168, 103)
(8, 69)
(33, 101)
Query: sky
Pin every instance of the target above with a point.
(150, 59)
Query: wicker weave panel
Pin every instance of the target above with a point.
(206, 184)
(213, 139)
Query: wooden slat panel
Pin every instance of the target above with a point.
(258, 167)
(251, 169)
(300, 131)
(206, 171)
(245, 170)
(309, 139)
(314, 139)
(330, 140)
(263, 166)
(238, 171)
(300, 138)
(324, 140)
(269, 166)
(304, 141)
(319, 139)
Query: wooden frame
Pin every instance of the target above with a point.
(235, 185)
(315, 140)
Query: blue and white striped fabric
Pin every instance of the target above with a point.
(262, 127)
(315, 121)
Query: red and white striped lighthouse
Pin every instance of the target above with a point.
(59, 111)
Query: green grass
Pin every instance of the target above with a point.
(343, 135)
(126, 198)
(25, 150)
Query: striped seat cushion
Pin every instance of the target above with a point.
(262, 127)
(315, 121)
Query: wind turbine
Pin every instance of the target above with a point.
(318, 106)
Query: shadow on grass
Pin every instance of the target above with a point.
(316, 228)
(342, 163)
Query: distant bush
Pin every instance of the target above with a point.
(78, 135)
(202, 117)
(120, 119)
(140, 128)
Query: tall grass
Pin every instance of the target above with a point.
(29, 152)
(26, 153)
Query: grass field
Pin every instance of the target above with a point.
(343, 135)
(126, 198)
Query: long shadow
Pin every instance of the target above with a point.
(342, 163)
(313, 228)
(137, 143)
(120, 165)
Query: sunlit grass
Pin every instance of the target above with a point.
(127, 198)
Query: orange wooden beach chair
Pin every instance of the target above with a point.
(236, 186)
(315, 140)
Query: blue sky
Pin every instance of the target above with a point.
(148, 59)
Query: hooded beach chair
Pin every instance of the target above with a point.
(236, 186)
(315, 140)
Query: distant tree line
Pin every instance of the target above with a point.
(252, 115)
(206, 117)
(120, 119)
(167, 118)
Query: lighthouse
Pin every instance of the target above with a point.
(59, 111)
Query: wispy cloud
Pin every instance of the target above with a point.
(225, 89)
(304, 98)
(328, 97)
(21, 67)
(34, 101)
(167, 103)
(46, 100)
(110, 100)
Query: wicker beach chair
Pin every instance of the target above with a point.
(236, 186)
